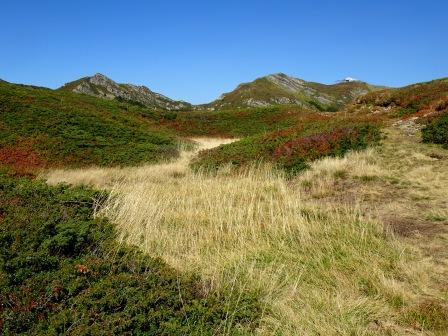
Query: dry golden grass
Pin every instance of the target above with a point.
(107, 177)
(314, 249)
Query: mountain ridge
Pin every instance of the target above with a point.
(269, 90)
(282, 89)
(101, 86)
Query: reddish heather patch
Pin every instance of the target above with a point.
(21, 158)
(304, 117)
(316, 145)
(283, 133)
(242, 114)
(435, 108)
(20, 306)
(82, 269)
(11, 201)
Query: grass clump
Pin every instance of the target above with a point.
(62, 272)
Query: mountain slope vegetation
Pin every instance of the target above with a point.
(334, 222)
(421, 106)
(63, 272)
(290, 149)
(334, 250)
(42, 128)
(418, 107)
(420, 100)
(240, 122)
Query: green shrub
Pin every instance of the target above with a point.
(169, 115)
(411, 109)
(61, 272)
(437, 131)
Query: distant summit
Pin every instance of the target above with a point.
(348, 80)
(281, 89)
(104, 87)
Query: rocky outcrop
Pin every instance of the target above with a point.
(104, 87)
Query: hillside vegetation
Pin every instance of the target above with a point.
(436, 131)
(337, 250)
(421, 106)
(426, 100)
(240, 123)
(45, 128)
(313, 136)
(332, 223)
(63, 272)
(291, 136)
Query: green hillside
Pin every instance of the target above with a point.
(239, 122)
(43, 128)
(421, 99)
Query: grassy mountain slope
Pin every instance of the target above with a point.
(280, 89)
(103, 87)
(41, 128)
(421, 99)
(422, 106)
(354, 245)
(240, 122)
(293, 148)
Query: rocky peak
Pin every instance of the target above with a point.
(101, 86)
(100, 79)
(286, 82)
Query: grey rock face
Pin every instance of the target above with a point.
(287, 83)
(103, 87)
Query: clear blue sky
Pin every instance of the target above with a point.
(196, 50)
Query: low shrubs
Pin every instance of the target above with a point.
(62, 272)
(240, 122)
(420, 98)
(294, 154)
(437, 131)
(44, 128)
(290, 149)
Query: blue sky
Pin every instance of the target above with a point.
(196, 50)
